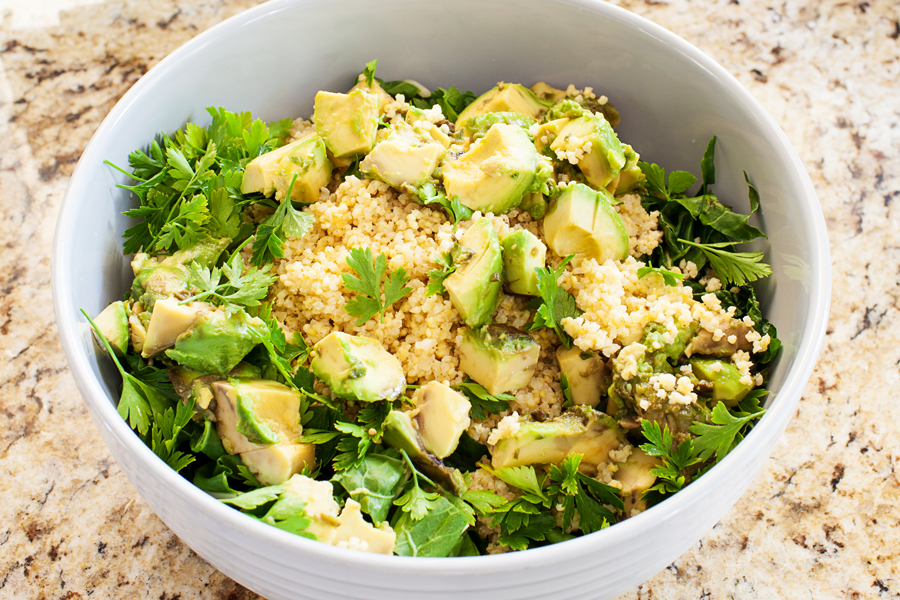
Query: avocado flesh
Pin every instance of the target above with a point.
(630, 175)
(535, 204)
(602, 164)
(474, 288)
(497, 171)
(358, 368)
(276, 464)
(161, 278)
(580, 430)
(625, 397)
(374, 88)
(506, 97)
(168, 321)
(582, 221)
(480, 124)
(218, 342)
(565, 109)
(588, 375)
(547, 92)
(347, 122)
(499, 358)
(113, 324)
(402, 159)
(415, 117)
(636, 478)
(309, 162)
(267, 172)
(522, 253)
(547, 134)
(441, 417)
(400, 433)
(260, 420)
(724, 377)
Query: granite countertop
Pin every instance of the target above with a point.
(822, 520)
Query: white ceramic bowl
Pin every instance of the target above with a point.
(271, 60)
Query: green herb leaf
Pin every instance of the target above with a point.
(375, 482)
(708, 166)
(670, 278)
(437, 276)
(369, 274)
(369, 72)
(733, 268)
(557, 304)
(435, 534)
(482, 401)
(725, 432)
(256, 498)
(661, 443)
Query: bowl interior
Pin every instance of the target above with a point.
(272, 59)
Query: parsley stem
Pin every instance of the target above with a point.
(123, 171)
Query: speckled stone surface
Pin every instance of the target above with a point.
(822, 520)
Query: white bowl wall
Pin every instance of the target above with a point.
(271, 60)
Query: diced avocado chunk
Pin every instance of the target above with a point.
(374, 88)
(636, 478)
(587, 374)
(506, 97)
(218, 342)
(328, 527)
(400, 433)
(535, 204)
(358, 368)
(425, 128)
(474, 288)
(497, 171)
(547, 92)
(500, 358)
(600, 162)
(260, 420)
(630, 175)
(113, 324)
(261, 173)
(254, 412)
(724, 377)
(582, 221)
(308, 160)
(522, 253)
(479, 124)
(547, 134)
(347, 122)
(565, 109)
(169, 320)
(276, 464)
(403, 158)
(155, 278)
(441, 416)
(580, 430)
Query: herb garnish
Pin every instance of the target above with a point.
(557, 304)
(368, 282)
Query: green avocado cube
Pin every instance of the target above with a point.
(218, 342)
(113, 324)
(506, 97)
(497, 171)
(474, 288)
(522, 253)
(347, 122)
(590, 142)
(582, 221)
(725, 378)
(358, 368)
(500, 358)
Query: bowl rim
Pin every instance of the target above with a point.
(70, 327)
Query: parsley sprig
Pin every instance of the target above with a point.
(367, 283)
(273, 232)
(482, 401)
(733, 268)
(557, 304)
(238, 288)
(670, 278)
(437, 276)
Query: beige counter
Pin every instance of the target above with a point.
(821, 521)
